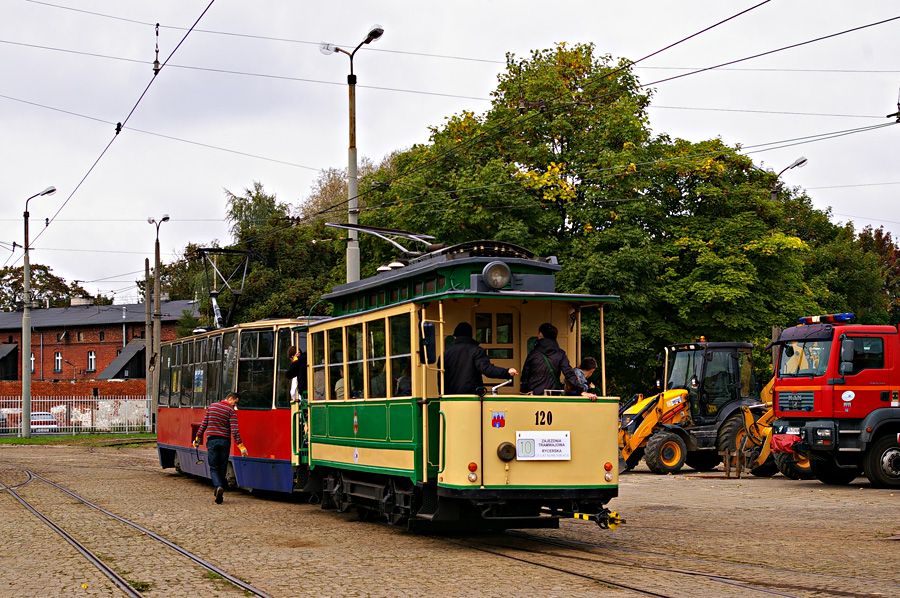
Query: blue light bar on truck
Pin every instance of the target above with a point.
(827, 319)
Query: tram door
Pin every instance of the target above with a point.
(299, 412)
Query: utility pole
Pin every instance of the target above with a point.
(148, 335)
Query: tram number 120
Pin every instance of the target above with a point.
(543, 418)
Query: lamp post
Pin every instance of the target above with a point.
(375, 32)
(152, 378)
(73, 370)
(798, 163)
(26, 325)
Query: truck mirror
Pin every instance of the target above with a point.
(846, 368)
(427, 344)
(847, 349)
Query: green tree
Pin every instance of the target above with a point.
(46, 288)
(685, 233)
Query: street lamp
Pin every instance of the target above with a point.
(157, 323)
(26, 325)
(375, 32)
(798, 163)
(73, 369)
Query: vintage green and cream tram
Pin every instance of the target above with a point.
(375, 433)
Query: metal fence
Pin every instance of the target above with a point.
(77, 415)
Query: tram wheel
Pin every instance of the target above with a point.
(338, 498)
(177, 464)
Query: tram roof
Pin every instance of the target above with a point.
(471, 252)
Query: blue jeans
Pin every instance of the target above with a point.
(218, 448)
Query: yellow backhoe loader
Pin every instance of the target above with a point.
(707, 392)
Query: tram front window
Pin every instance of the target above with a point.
(256, 370)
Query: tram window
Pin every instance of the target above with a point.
(442, 282)
(355, 363)
(266, 344)
(175, 385)
(165, 374)
(200, 351)
(381, 298)
(395, 295)
(187, 373)
(417, 289)
(373, 300)
(505, 329)
(483, 328)
(336, 364)
(353, 304)
(376, 358)
(199, 389)
(404, 292)
(282, 384)
(500, 353)
(256, 369)
(229, 361)
(249, 345)
(429, 285)
(401, 362)
(318, 362)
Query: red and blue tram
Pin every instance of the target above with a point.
(195, 371)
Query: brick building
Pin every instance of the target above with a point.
(87, 346)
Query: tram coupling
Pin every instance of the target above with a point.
(606, 519)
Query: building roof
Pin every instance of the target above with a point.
(93, 315)
(114, 369)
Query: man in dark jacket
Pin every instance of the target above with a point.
(544, 364)
(465, 363)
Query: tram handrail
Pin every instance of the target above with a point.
(495, 389)
(443, 436)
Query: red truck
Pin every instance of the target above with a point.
(837, 398)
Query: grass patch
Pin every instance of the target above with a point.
(78, 439)
(140, 586)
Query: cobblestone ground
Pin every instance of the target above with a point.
(289, 548)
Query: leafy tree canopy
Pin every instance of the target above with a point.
(46, 288)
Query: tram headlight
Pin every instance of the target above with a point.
(608, 477)
(496, 275)
(506, 451)
(473, 477)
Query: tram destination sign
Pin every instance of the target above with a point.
(543, 446)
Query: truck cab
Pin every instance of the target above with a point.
(837, 398)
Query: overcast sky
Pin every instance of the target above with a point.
(249, 97)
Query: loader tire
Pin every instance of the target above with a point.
(731, 438)
(665, 453)
(793, 466)
(827, 471)
(703, 460)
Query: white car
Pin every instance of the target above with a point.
(44, 423)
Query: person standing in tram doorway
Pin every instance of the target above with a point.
(296, 373)
(221, 423)
(466, 363)
(545, 363)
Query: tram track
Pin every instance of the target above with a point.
(588, 554)
(129, 588)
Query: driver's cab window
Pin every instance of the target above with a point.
(718, 384)
(868, 354)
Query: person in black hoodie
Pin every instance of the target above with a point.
(544, 364)
(466, 362)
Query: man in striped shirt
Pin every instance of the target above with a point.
(221, 424)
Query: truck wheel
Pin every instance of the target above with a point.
(793, 466)
(882, 462)
(703, 460)
(665, 452)
(826, 471)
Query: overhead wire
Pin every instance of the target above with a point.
(120, 126)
